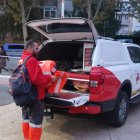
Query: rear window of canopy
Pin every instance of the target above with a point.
(64, 28)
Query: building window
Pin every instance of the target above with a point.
(126, 17)
(50, 12)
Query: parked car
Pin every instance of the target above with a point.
(125, 40)
(104, 75)
(14, 51)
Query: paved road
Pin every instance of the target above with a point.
(5, 98)
(62, 128)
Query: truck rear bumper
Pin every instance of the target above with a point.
(78, 104)
(88, 108)
(85, 109)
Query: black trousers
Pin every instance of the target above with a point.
(34, 114)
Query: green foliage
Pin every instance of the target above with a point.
(7, 25)
(6, 22)
(136, 8)
(105, 21)
(79, 8)
(13, 7)
(136, 34)
(11, 21)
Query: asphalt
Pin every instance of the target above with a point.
(64, 128)
(10, 119)
(5, 98)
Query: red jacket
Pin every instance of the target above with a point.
(48, 68)
(35, 73)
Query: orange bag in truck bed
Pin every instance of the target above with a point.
(80, 81)
(48, 68)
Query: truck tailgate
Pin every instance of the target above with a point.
(67, 99)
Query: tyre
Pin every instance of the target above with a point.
(119, 114)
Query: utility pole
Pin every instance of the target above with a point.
(62, 8)
(89, 9)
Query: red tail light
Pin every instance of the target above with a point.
(96, 82)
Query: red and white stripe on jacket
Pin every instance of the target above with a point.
(48, 68)
(59, 84)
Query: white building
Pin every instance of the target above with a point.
(129, 24)
(52, 8)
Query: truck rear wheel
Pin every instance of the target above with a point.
(119, 114)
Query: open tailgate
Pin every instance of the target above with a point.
(65, 29)
(67, 99)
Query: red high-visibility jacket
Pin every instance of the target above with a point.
(37, 78)
(59, 84)
(48, 68)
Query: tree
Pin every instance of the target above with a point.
(6, 25)
(97, 10)
(136, 33)
(135, 8)
(87, 6)
(101, 12)
(7, 22)
(105, 21)
(89, 10)
(20, 11)
(26, 7)
(80, 8)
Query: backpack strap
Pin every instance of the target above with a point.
(24, 62)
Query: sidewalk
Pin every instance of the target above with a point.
(10, 120)
(10, 117)
(61, 128)
(5, 74)
(10, 125)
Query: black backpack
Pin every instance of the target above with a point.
(23, 92)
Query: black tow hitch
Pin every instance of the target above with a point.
(48, 113)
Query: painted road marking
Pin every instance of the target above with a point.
(5, 76)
